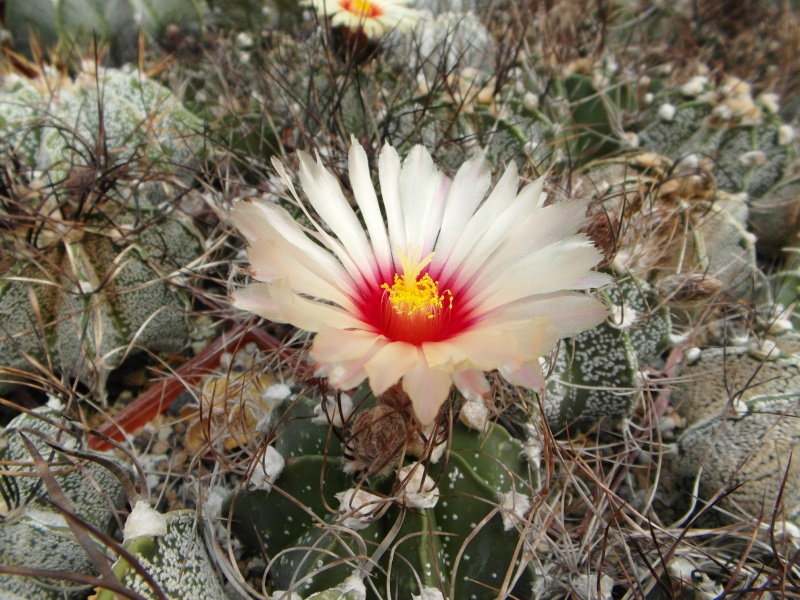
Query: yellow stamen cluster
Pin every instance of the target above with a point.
(411, 294)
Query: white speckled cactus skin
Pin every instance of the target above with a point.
(102, 163)
(595, 379)
(34, 533)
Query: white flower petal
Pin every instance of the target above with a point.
(423, 192)
(334, 345)
(472, 384)
(259, 220)
(257, 299)
(389, 364)
(300, 270)
(528, 375)
(276, 301)
(325, 195)
(389, 174)
(367, 201)
(499, 228)
(557, 267)
(570, 313)
(428, 390)
(501, 198)
(466, 192)
(544, 227)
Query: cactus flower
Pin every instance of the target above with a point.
(452, 284)
(374, 17)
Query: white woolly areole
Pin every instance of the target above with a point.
(353, 585)
(666, 111)
(331, 408)
(428, 593)
(144, 520)
(770, 102)
(475, 415)
(275, 394)
(514, 508)
(359, 506)
(418, 446)
(786, 135)
(694, 86)
(533, 447)
(419, 490)
(267, 469)
(55, 403)
(623, 317)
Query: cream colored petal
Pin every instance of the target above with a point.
(545, 226)
(324, 238)
(260, 220)
(344, 375)
(428, 390)
(507, 345)
(528, 375)
(557, 267)
(367, 200)
(325, 195)
(483, 349)
(498, 229)
(501, 197)
(423, 194)
(336, 345)
(466, 192)
(569, 313)
(472, 384)
(389, 174)
(257, 299)
(273, 259)
(308, 314)
(389, 364)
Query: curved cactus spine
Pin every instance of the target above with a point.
(100, 161)
(35, 533)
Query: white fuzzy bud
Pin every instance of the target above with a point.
(419, 490)
(144, 521)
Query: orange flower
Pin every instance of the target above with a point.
(452, 284)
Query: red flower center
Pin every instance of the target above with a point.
(414, 307)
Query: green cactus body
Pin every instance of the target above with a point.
(177, 561)
(747, 455)
(114, 22)
(752, 151)
(596, 373)
(591, 128)
(96, 284)
(467, 543)
(719, 378)
(35, 534)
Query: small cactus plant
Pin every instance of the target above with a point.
(93, 222)
(117, 23)
(452, 525)
(35, 533)
(597, 375)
